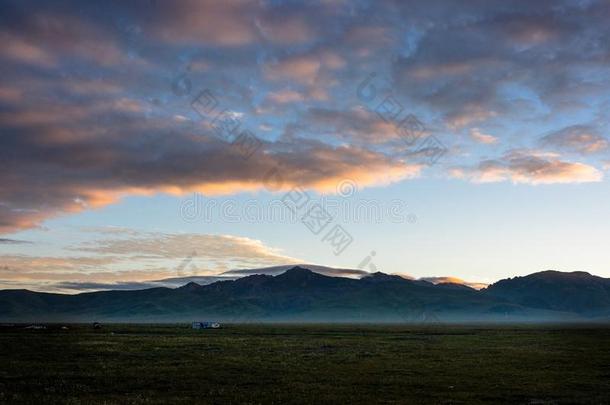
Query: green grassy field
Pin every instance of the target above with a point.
(305, 364)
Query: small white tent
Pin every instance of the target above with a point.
(205, 325)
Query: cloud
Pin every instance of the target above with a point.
(76, 287)
(454, 280)
(582, 139)
(306, 68)
(53, 171)
(290, 29)
(285, 96)
(233, 23)
(19, 266)
(299, 69)
(171, 282)
(5, 241)
(126, 259)
(120, 256)
(529, 167)
(467, 66)
(358, 125)
(98, 138)
(480, 137)
(88, 114)
(228, 24)
(50, 34)
(244, 251)
(20, 50)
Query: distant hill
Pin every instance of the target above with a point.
(578, 292)
(301, 295)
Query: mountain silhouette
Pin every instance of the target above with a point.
(301, 295)
(577, 291)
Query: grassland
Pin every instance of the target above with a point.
(305, 364)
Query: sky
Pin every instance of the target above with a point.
(146, 140)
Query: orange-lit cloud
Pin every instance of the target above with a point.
(478, 136)
(285, 96)
(454, 280)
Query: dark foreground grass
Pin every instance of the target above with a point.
(305, 364)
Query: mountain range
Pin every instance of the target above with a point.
(301, 295)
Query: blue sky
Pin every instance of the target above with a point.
(476, 130)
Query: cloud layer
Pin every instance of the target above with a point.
(91, 109)
(124, 258)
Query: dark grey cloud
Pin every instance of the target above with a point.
(461, 65)
(584, 139)
(87, 286)
(6, 241)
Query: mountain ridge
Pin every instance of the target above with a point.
(302, 295)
